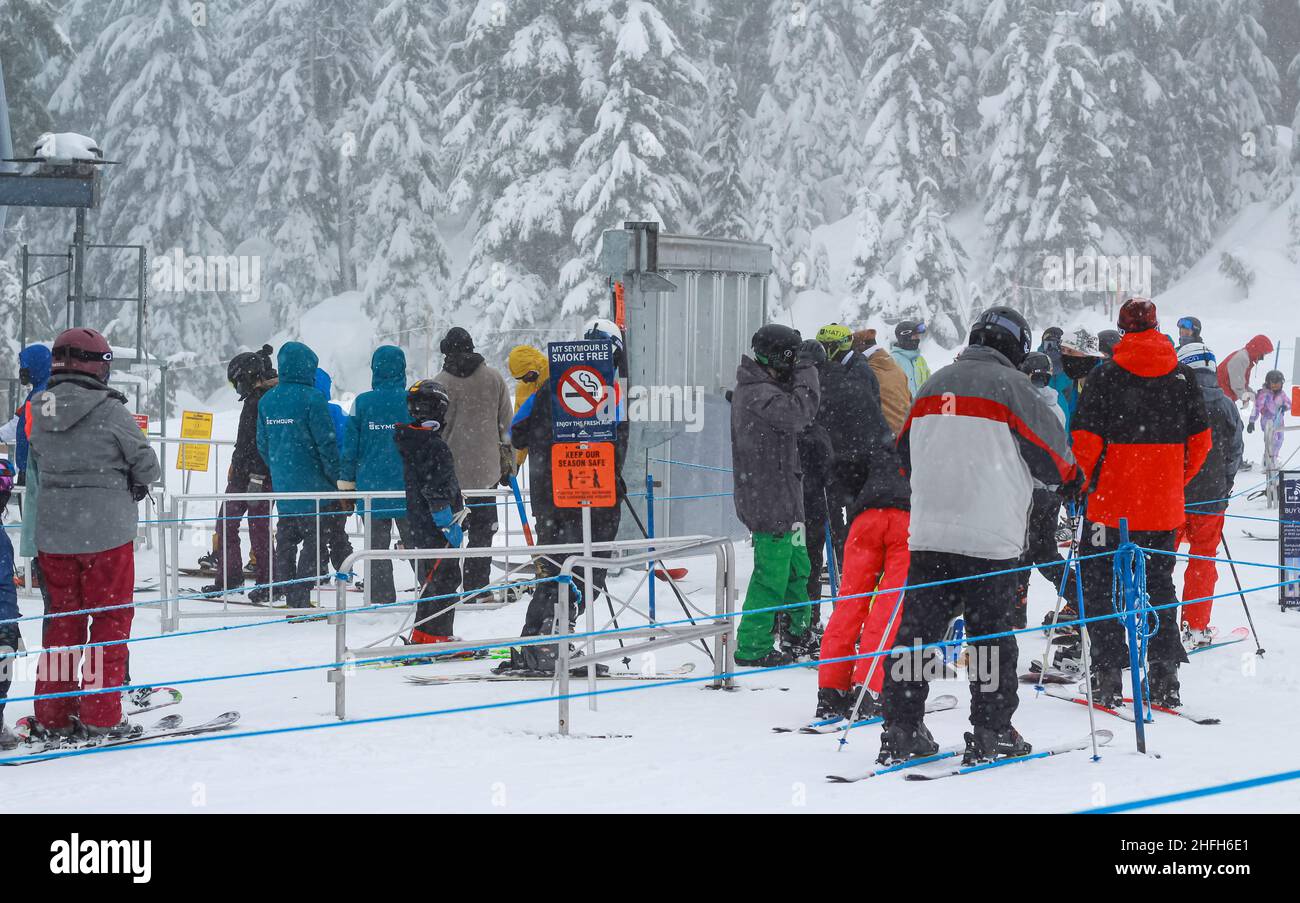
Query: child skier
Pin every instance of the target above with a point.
(434, 508)
(9, 638)
(1271, 405)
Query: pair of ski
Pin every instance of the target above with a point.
(436, 680)
(941, 769)
(1126, 713)
(839, 723)
(1035, 674)
(164, 728)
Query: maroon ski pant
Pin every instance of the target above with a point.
(230, 561)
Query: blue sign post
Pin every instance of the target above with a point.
(584, 400)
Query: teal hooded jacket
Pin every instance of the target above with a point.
(295, 433)
(370, 456)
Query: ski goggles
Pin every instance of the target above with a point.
(1011, 326)
(1189, 324)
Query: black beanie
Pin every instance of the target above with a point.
(456, 340)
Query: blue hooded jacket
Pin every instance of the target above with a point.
(295, 434)
(370, 456)
(326, 387)
(37, 360)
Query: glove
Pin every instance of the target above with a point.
(256, 481)
(138, 491)
(346, 486)
(452, 531)
(1250, 427)
(1072, 490)
(508, 467)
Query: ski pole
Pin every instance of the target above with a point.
(875, 663)
(1259, 650)
(1070, 561)
(523, 515)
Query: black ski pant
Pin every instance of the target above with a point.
(1043, 552)
(293, 531)
(9, 642)
(816, 518)
(480, 527)
(439, 577)
(382, 590)
(334, 531)
(1109, 643)
(986, 603)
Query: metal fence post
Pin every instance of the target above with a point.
(650, 534)
(1128, 587)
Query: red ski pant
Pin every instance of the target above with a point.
(75, 582)
(875, 557)
(1202, 533)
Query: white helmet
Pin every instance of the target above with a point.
(1197, 356)
(602, 329)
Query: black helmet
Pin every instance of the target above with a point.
(1038, 367)
(248, 368)
(776, 346)
(1107, 339)
(908, 334)
(812, 350)
(1002, 329)
(1274, 376)
(427, 401)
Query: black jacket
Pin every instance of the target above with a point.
(430, 475)
(245, 459)
(850, 410)
(815, 458)
(1213, 482)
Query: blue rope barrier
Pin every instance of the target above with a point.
(1213, 790)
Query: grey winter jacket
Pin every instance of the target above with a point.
(1208, 490)
(90, 453)
(478, 419)
(766, 419)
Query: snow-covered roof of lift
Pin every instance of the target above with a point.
(67, 147)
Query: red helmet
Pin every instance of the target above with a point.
(82, 350)
(1137, 314)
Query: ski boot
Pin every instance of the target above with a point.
(832, 703)
(1162, 685)
(1194, 638)
(208, 562)
(119, 731)
(260, 596)
(871, 706)
(804, 647)
(139, 698)
(900, 741)
(8, 739)
(216, 590)
(1068, 612)
(1107, 687)
(985, 744)
(773, 659)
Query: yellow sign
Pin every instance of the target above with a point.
(194, 425)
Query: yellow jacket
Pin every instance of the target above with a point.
(522, 359)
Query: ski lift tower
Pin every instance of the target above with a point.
(688, 306)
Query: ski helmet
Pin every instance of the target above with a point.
(775, 346)
(82, 350)
(1274, 376)
(601, 329)
(1038, 367)
(907, 334)
(1193, 326)
(835, 338)
(248, 368)
(812, 350)
(1005, 330)
(1196, 356)
(427, 401)
(1107, 339)
(1053, 334)
(1137, 315)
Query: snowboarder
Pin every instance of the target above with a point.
(1189, 331)
(907, 353)
(531, 430)
(336, 546)
(1271, 405)
(371, 462)
(1235, 369)
(775, 398)
(895, 397)
(1207, 494)
(434, 507)
(978, 437)
(477, 427)
(10, 639)
(251, 375)
(1141, 434)
(95, 466)
(296, 439)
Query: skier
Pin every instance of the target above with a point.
(477, 427)
(296, 438)
(531, 430)
(907, 352)
(530, 369)
(876, 559)
(10, 638)
(1207, 495)
(775, 398)
(434, 507)
(1080, 355)
(816, 458)
(1235, 369)
(34, 364)
(95, 466)
(336, 546)
(251, 376)
(1189, 331)
(981, 434)
(1271, 405)
(1141, 434)
(1107, 340)
(895, 397)
(371, 462)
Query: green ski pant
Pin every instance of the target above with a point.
(780, 578)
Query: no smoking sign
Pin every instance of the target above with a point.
(582, 395)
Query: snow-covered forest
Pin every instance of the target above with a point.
(457, 160)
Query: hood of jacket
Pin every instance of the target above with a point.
(324, 385)
(524, 358)
(910, 353)
(984, 354)
(76, 395)
(1259, 346)
(1147, 353)
(462, 363)
(297, 364)
(388, 368)
(37, 360)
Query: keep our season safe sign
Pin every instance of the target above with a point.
(582, 475)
